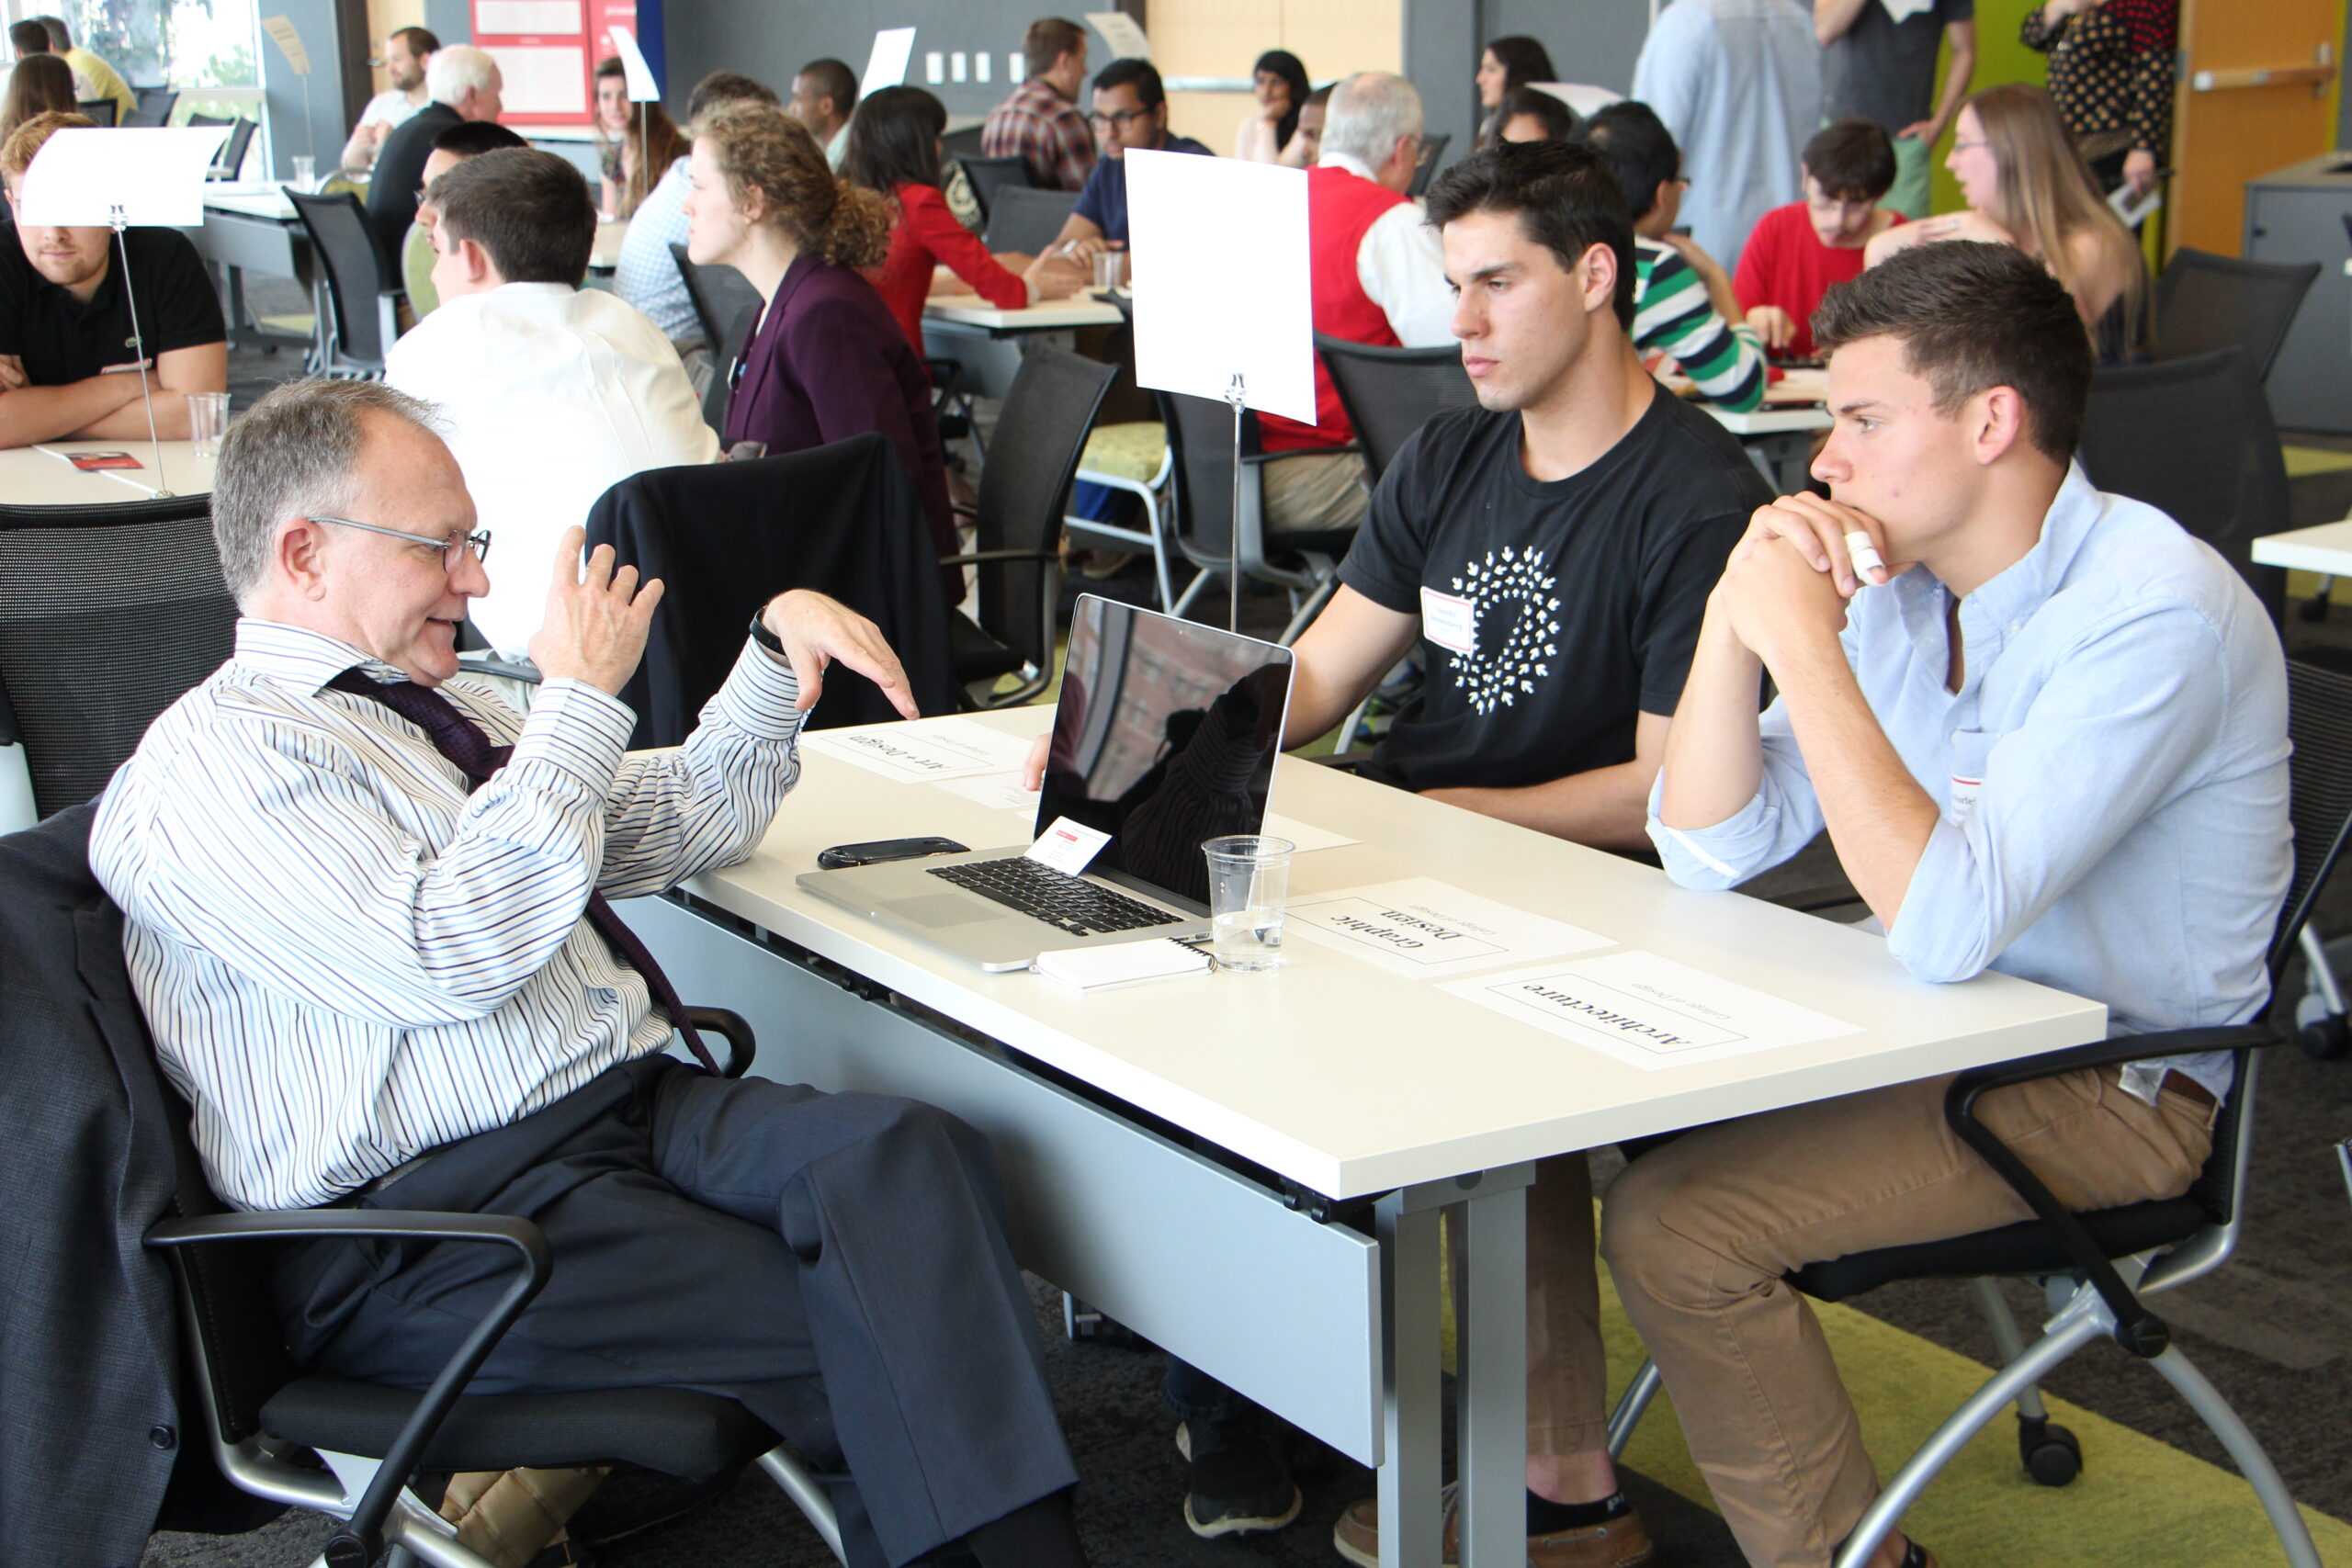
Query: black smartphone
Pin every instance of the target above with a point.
(841, 857)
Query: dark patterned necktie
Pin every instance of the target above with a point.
(457, 738)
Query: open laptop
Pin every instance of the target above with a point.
(1165, 737)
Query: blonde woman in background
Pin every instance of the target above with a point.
(2027, 185)
(624, 132)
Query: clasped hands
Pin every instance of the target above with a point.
(1788, 578)
(598, 617)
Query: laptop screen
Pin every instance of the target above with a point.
(1165, 736)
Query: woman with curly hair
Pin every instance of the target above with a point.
(825, 359)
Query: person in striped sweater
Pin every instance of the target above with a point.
(1683, 302)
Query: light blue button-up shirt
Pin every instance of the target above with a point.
(2112, 774)
(646, 275)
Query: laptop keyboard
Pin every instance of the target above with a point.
(1070, 903)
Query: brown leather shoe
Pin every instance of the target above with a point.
(1622, 1542)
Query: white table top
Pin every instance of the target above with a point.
(251, 198)
(40, 476)
(1349, 1079)
(605, 253)
(2326, 549)
(1057, 315)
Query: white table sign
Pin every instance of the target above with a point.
(1425, 927)
(925, 751)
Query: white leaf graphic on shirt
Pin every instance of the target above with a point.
(1509, 584)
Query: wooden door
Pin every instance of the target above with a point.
(2256, 93)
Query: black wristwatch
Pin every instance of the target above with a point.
(766, 639)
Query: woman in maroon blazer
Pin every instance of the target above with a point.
(825, 359)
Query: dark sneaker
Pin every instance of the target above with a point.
(1240, 1478)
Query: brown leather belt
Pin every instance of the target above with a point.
(2180, 1083)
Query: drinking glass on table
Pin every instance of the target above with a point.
(208, 419)
(306, 173)
(1110, 270)
(1249, 877)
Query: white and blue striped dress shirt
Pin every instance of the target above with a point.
(2112, 774)
(346, 958)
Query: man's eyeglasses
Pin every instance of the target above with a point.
(1119, 121)
(479, 542)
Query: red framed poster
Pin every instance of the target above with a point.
(547, 52)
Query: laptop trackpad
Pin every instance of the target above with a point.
(943, 909)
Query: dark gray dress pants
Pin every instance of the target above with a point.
(836, 1262)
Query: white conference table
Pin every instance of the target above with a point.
(41, 474)
(2325, 548)
(1054, 315)
(1247, 1169)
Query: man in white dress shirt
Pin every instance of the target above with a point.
(406, 51)
(551, 394)
(1378, 276)
(1738, 83)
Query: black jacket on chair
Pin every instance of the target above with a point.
(89, 1341)
(726, 538)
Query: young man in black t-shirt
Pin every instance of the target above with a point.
(66, 369)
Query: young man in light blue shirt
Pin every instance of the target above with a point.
(2049, 739)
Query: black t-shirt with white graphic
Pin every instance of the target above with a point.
(1551, 612)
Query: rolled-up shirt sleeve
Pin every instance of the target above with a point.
(2131, 705)
(1779, 819)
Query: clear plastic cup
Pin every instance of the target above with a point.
(1249, 879)
(306, 173)
(208, 419)
(1110, 270)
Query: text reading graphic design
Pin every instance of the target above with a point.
(1509, 590)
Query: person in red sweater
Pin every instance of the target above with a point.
(1798, 251)
(894, 152)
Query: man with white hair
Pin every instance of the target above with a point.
(1378, 276)
(464, 84)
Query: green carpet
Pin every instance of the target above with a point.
(2140, 1501)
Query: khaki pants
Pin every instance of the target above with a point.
(1698, 1234)
(1322, 492)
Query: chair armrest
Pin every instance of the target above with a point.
(485, 664)
(977, 557)
(1346, 762)
(359, 1540)
(733, 1027)
(960, 510)
(1262, 459)
(2136, 1329)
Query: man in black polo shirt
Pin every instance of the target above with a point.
(66, 366)
(465, 85)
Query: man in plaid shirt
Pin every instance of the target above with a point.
(1040, 122)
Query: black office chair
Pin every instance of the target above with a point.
(1389, 393)
(1026, 221)
(964, 143)
(724, 538)
(97, 111)
(1425, 166)
(727, 306)
(361, 298)
(230, 160)
(2193, 438)
(1303, 561)
(153, 106)
(2096, 1267)
(257, 1404)
(2206, 302)
(107, 614)
(1040, 432)
(989, 175)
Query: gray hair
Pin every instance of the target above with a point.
(294, 453)
(456, 68)
(1368, 112)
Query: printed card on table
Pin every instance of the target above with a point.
(1648, 1011)
(1425, 928)
(925, 751)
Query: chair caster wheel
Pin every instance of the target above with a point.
(2052, 1455)
(2326, 1039)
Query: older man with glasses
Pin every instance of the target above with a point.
(367, 916)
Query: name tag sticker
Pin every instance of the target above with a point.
(1067, 847)
(1450, 621)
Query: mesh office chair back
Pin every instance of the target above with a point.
(1200, 448)
(232, 161)
(1389, 393)
(97, 111)
(964, 143)
(1425, 166)
(2206, 302)
(1026, 221)
(107, 614)
(345, 242)
(989, 175)
(1040, 433)
(154, 105)
(2193, 437)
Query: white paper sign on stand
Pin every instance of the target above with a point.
(145, 174)
(886, 65)
(1123, 33)
(282, 33)
(638, 75)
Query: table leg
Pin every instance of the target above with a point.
(1411, 1349)
(1490, 1349)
